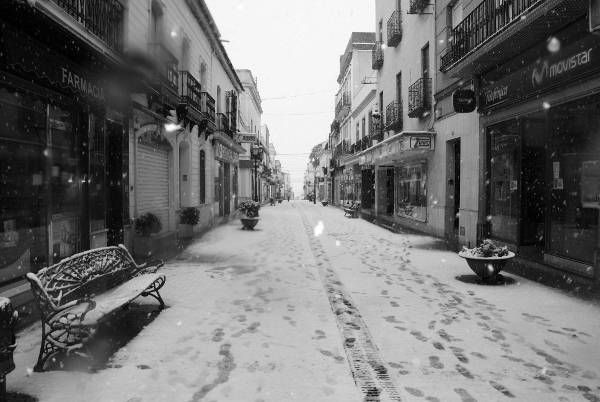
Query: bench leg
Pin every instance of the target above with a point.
(57, 338)
(153, 289)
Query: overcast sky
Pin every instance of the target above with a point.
(293, 47)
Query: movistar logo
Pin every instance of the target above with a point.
(545, 70)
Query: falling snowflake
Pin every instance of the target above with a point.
(318, 230)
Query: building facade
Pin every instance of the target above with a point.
(250, 124)
(183, 134)
(537, 76)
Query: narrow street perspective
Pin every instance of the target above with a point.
(272, 201)
(313, 306)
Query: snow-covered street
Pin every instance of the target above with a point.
(313, 306)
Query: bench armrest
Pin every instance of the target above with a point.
(149, 267)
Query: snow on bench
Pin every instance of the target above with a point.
(78, 293)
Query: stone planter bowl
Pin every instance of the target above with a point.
(249, 223)
(487, 268)
(324, 203)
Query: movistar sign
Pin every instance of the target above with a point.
(573, 61)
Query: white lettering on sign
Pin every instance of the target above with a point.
(496, 94)
(80, 83)
(551, 71)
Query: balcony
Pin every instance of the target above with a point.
(375, 130)
(394, 116)
(189, 90)
(377, 56)
(418, 6)
(394, 29)
(223, 123)
(342, 108)
(168, 74)
(419, 98)
(497, 31)
(207, 108)
(103, 18)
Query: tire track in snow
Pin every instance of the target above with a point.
(369, 371)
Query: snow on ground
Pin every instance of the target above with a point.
(313, 306)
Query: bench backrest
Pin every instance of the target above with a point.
(84, 274)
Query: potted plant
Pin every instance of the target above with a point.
(324, 203)
(250, 211)
(145, 225)
(188, 217)
(487, 260)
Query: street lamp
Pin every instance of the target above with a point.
(256, 153)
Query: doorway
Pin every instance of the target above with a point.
(116, 189)
(226, 189)
(453, 152)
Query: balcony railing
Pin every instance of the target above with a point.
(394, 29)
(190, 90)
(103, 18)
(207, 107)
(167, 65)
(419, 97)
(342, 108)
(377, 56)
(223, 123)
(394, 116)
(418, 6)
(481, 24)
(375, 129)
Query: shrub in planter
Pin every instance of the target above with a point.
(487, 260)
(146, 224)
(250, 208)
(189, 216)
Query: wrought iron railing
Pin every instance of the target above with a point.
(222, 123)
(419, 97)
(393, 116)
(417, 6)
(342, 107)
(487, 19)
(167, 63)
(394, 29)
(377, 56)
(103, 18)
(207, 106)
(190, 90)
(375, 128)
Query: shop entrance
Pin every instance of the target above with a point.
(226, 190)
(116, 188)
(385, 191)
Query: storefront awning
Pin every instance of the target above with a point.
(404, 145)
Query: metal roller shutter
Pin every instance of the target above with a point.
(153, 182)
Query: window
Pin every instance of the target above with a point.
(380, 30)
(156, 25)
(203, 75)
(381, 107)
(411, 196)
(425, 60)
(218, 99)
(363, 127)
(185, 54)
(399, 88)
(357, 132)
(370, 116)
(202, 177)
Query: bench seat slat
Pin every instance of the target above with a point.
(115, 298)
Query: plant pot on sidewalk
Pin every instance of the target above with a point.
(487, 260)
(324, 203)
(249, 223)
(188, 217)
(249, 209)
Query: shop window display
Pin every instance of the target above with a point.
(504, 181)
(575, 186)
(411, 197)
(23, 184)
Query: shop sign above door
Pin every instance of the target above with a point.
(248, 138)
(225, 154)
(572, 62)
(464, 100)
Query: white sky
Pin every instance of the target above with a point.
(293, 47)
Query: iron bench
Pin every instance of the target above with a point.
(77, 294)
(352, 210)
